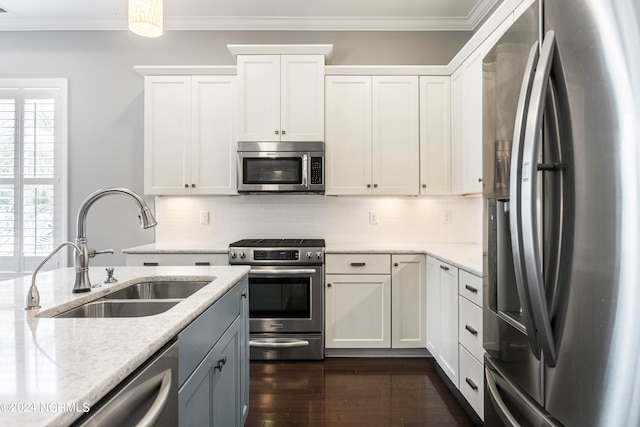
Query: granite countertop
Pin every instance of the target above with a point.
(467, 256)
(177, 248)
(51, 370)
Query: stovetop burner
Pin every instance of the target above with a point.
(278, 243)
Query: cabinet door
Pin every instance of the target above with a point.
(472, 116)
(244, 351)
(302, 98)
(258, 98)
(167, 127)
(448, 342)
(213, 135)
(457, 131)
(408, 301)
(435, 135)
(395, 148)
(211, 396)
(348, 135)
(226, 398)
(433, 306)
(357, 311)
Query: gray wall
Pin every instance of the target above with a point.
(106, 98)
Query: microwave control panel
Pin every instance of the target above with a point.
(316, 170)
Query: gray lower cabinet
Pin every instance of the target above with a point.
(214, 364)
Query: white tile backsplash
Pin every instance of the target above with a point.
(341, 219)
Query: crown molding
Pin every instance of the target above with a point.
(246, 23)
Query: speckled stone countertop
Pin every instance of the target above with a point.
(176, 248)
(51, 370)
(467, 256)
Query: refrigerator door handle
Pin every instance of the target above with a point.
(529, 187)
(498, 386)
(515, 196)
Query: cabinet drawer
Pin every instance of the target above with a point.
(358, 263)
(470, 327)
(470, 287)
(472, 381)
(176, 259)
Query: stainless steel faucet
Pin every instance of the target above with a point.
(33, 296)
(82, 283)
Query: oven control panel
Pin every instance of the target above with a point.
(273, 256)
(276, 255)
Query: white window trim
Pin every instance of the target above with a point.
(62, 85)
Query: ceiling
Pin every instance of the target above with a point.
(329, 15)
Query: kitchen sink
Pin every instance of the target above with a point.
(153, 290)
(121, 308)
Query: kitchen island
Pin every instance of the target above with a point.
(53, 370)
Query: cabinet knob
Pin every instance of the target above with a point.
(283, 132)
(328, 285)
(444, 267)
(424, 185)
(277, 132)
(193, 186)
(479, 179)
(395, 264)
(375, 185)
(186, 186)
(368, 185)
(220, 364)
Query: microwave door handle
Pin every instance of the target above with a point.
(305, 168)
(515, 196)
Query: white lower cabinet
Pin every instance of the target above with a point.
(442, 315)
(472, 381)
(454, 328)
(375, 301)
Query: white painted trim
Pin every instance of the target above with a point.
(186, 70)
(493, 22)
(386, 70)
(282, 49)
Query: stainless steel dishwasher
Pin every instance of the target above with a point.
(149, 397)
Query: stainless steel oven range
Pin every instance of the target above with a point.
(286, 296)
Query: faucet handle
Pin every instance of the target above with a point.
(93, 252)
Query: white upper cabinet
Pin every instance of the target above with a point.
(372, 144)
(435, 135)
(189, 135)
(281, 97)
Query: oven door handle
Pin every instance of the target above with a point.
(293, 271)
(278, 344)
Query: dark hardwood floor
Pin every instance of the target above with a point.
(351, 392)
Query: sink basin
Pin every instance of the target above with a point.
(158, 290)
(105, 308)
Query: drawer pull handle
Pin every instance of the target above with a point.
(150, 264)
(471, 289)
(444, 267)
(471, 330)
(358, 264)
(203, 263)
(473, 385)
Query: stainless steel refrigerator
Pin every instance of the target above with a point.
(561, 165)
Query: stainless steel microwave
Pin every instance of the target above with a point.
(281, 167)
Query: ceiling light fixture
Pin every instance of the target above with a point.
(145, 17)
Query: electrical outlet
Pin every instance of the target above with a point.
(373, 218)
(204, 217)
(447, 217)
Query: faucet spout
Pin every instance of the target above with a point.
(82, 282)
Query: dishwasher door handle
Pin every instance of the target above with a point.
(286, 343)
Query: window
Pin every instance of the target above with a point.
(32, 171)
